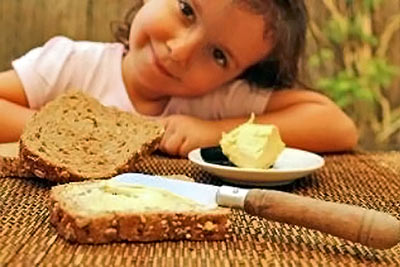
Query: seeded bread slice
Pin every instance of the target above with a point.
(77, 214)
(10, 165)
(74, 138)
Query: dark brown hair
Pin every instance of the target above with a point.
(121, 29)
(286, 22)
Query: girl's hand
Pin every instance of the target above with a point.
(185, 133)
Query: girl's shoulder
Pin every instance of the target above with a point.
(62, 63)
(68, 44)
(61, 53)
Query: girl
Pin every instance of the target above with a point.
(200, 66)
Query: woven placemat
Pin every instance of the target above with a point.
(370, 180)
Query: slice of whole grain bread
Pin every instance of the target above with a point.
(10, 165)
(74, 138)
(77, 212)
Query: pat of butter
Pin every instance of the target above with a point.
(114, 196)
(252, 145)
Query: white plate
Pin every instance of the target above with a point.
(290, 165)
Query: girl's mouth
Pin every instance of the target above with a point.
(160, 67)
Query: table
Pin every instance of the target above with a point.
(366, 179)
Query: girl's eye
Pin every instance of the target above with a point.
(186, 9)
(219, 57)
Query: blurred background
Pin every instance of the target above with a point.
(352, 54)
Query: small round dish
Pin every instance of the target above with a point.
(290, 165)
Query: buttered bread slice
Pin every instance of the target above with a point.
(109, 211)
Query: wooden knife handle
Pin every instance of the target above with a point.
(368, 227)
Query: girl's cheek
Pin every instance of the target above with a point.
(137, 37)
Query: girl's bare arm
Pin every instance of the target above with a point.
(311, 121)
(305, 119)
(14, 111)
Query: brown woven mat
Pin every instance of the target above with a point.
(365, 179)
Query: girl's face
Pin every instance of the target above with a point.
(190, 47)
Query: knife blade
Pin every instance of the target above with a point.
(368, 227)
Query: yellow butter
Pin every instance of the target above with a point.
(114, 196)
(252, 145)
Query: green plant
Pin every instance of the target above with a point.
(357, 74)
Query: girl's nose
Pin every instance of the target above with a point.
(183, 46)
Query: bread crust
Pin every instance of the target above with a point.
(10, 165)
(33, 163)
(137, 227)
